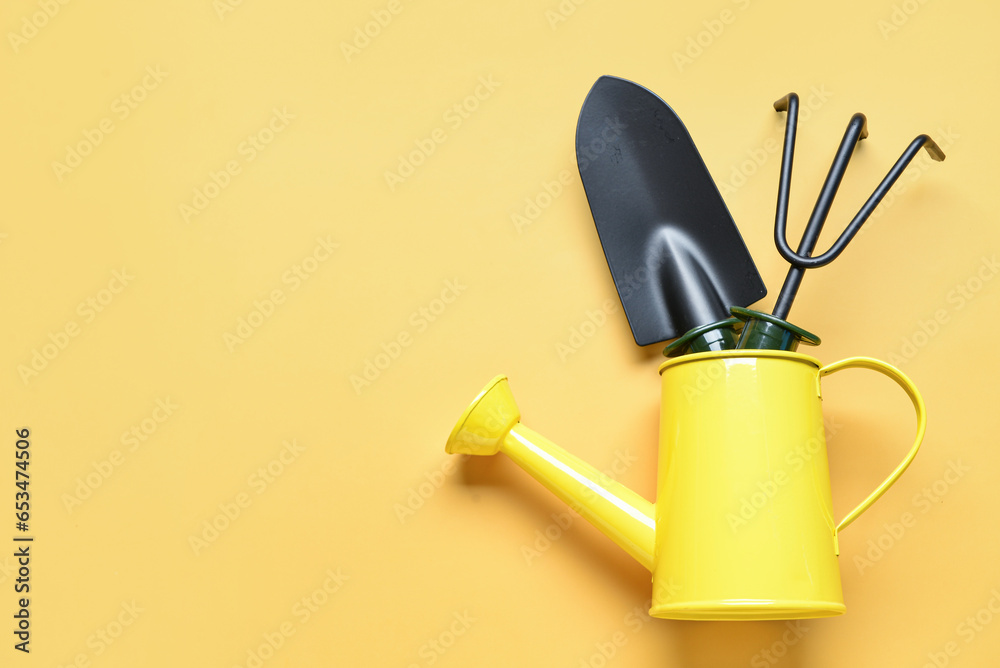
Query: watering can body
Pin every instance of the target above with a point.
(743, 525)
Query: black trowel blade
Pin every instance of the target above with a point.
(675, 254)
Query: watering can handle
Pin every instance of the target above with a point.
(918, 405)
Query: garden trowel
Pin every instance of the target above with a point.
(678, 262)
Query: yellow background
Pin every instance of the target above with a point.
(368, 451)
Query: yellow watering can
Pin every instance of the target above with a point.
(743, 525)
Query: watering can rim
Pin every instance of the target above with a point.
(727, 354)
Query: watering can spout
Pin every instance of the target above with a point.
(492, 424)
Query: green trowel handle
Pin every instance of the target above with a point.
(721, 335)
(763, 331)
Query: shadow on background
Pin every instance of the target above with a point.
(608, 561)
(680, 643)
(731, 644)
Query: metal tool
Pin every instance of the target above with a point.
(676, 257)
(774, 332)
